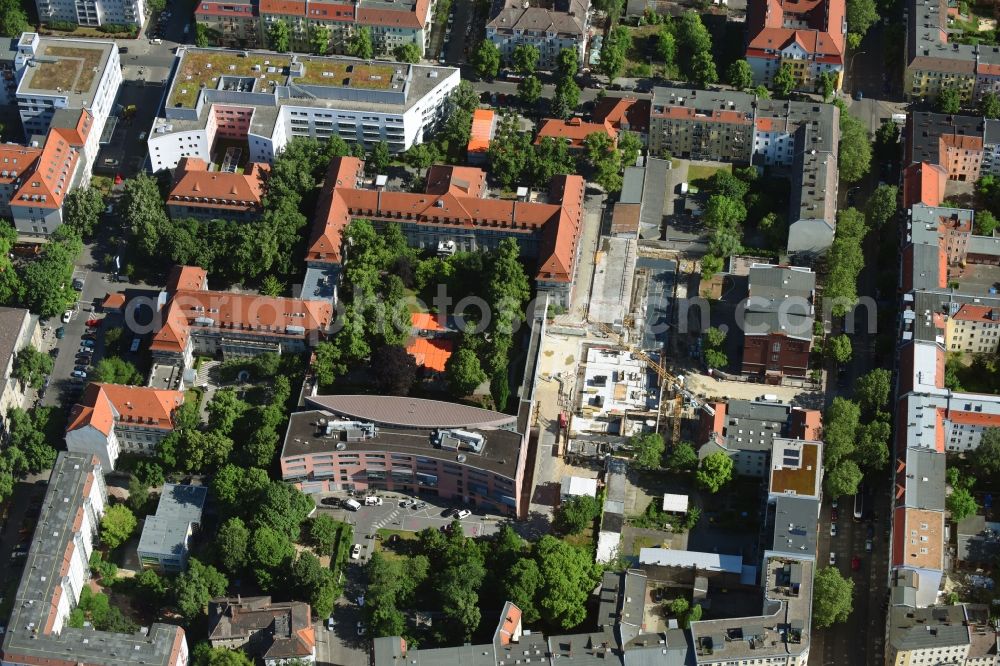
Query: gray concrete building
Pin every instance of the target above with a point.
(166, 535)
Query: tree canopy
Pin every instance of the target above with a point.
(739, 74)
(648, 450)
(576, 514)
(32, 366)
(715, 471)
(117, 525)
(832, 597)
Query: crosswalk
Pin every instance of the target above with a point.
(385, 520)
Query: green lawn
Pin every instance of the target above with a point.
(698, 172)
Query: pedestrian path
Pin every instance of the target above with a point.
(204, 371)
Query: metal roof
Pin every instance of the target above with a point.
(412, 412)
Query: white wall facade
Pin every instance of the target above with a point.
(89, 439)
(93, 12)
(167, 149)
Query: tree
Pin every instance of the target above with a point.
(520, 585)
(710, 265)
(393, 369)
(117, 525)
(32, 366)
(827, 85)
(614, 52)
(605, 159)
(985, 223)
(13, 18)
(881, 205)
(666, 45)
(151, 587)
(716, 359)
(872, 449)
(194, 588)
(322, 532)
(378, 160)
(989, 105)
(568, 63)
(839, 348)
(29, 451)
(843, 478)
(525, 59)
(116, 370)
(855, 149)
(408, 52)
(986, 456)
(861, 15)
(693, 43)
(271, 551)
(739, 75)
(550, 157)
(486, 60)
(238, 487)
(283, 507)
(568, 575)
(949, 100)
(360, 45)
(566, 98)
(784, 80)
(224, 410)
(873, 389)
(683, 457)
(715, 471)
(725, 242)
(278, 36)
(529, 90)
(576, 514)
(320, 39)
(138, 494)
(840, 428)
(724, 212)
(149, 473)
(463, 372)
(761, 92)
(714, 337)
(204, 654)
(82, 210)
(832, 597)
(647, 450)
(195, 450)
(201, 36)
(703, 71)
(630, 146)
(961, 504)
(232, 541)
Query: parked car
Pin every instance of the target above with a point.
(855, 563)
(356, 552)
(419, 505)
(464, 513)
(330, 624)
(833, 529)
(361, 628)
(66, 316)
(371, 500)
(82, 374)
(87, 343)
(93, 322)
(60, 333)
(77, 284)
(833, 558)
(834, 514)
(868, 545)
(330, 501)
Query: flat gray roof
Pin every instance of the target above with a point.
(500, 452)
(795, 526)
(67, 67)
(71, 477)
(165, 533)
(927, 628)
(409, 412)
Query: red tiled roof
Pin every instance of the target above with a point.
(482, 130)
(970, 312)
(49, 181)
(187, 277)
(246, 314)
(195, 186)
(558, 222)
(575, 130)
(431, 353)
(823, 21)
(149, 407)
(283, 7)
(225, 9)
(114, 301)
(624, 113)
(974, 418)
(924, 183)
(16, 161)
(424, 321)
(987, 69)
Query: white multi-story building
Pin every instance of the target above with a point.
(548, 30)
(265, 99)
(56, 570)
(112, 418)
(18, 329)
(92, 12)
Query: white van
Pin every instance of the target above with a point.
(373, 501)
(351, 504)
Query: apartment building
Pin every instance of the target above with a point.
(278, 632)
(233, 24)
(194, 320)
(778, 322)
(55, 571)
(455, 211)
(93, 13)
(227, 195)
(423, 447)
(625, 114)
(112, 418)
(960, 635)
(166, 535)
(550, 29)
(18, 329)
(262, 100)
(747, 431)
(391, 23)
(574, 131)
(736, 127)
(809, 36)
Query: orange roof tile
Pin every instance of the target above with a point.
(482, 130)
(195, 186)
(114, 301)
(283, 7)
(453, 199)
(974, 418)
(919, 539)
(16, 161)
(623, 113)
(431, 353)
(425, 321)
(574, 129)
(187, 277)
(924, 183)
(969, 312)
(53, 173)
(242, 313)
(818, 25)
(104, 404)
